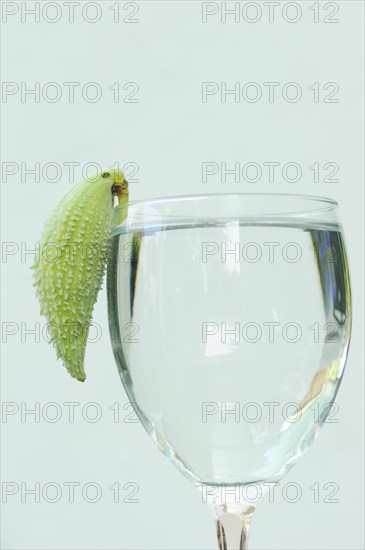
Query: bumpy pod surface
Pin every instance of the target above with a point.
(69, 273)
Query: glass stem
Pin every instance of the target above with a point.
(232, 514)
(232, 526)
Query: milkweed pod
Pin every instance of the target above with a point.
(69, 272)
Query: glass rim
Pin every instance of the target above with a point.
(332, 204)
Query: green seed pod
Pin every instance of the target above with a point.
(71, 266)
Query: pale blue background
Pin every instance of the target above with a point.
(169, 133)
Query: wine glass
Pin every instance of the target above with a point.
(230, 319)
